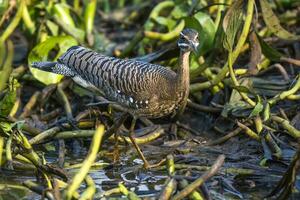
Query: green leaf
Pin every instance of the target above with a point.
(49, 147)
(170, 23)
(180, 11)
(5, 127)
(156, 13)
(255, 55)
(206, 28)
(257, 109)
(9, 99)
(40, 53)
(273, 22)
(288, 3)
(268, 51)
(266, 112)
(232, 23)
(89, 16)
(236, 109)
(243, 89)
(61, 12)
(52, 27)
(3, 6)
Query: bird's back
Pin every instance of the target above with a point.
(146, 89)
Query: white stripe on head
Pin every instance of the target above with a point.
(183, 44)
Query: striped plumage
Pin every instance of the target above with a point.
(131, 83)
(144, 89)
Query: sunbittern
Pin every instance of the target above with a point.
(142, 89)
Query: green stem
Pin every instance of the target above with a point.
(91, 189)
(286, 94)
(89, 16)
(87, 163)
(171, 164)
(106, 6)
(219, 14)
(222, 74)
(64, 101)
(1, 149)
(76, 6)
(8, 151)
(168, 190)
(286, 125)
(197, 183)
(27, 20)
(44, 135)
(14, 23)
(195, 195)
(235, 81)
(248, 131)
(130, 195)
(166, 36)
(7, 67)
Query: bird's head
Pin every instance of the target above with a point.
(188, 40)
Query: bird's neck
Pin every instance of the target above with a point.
(183, 82)
(183, 74)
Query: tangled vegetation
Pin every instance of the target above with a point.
(237, 138)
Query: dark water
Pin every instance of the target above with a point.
(146, 183)
(240, 152)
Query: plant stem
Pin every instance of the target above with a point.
(87, 163)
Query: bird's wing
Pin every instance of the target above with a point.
(128, 81)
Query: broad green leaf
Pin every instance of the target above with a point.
(206, 28)
(232, 23)
(268, 51)
(40, 53)
(273, 22)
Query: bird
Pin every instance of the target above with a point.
(140, 88)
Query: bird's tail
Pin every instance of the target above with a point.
(44, 66)
(54, 67)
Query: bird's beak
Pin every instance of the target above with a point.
(195, 46)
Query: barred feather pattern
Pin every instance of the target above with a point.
(145, 89)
